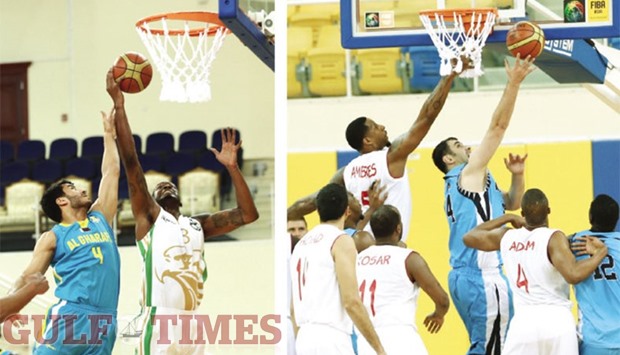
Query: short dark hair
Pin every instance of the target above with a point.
(302, 218)
(48, 200)
(535, 207)
(332, 202)
(440, 151)
(604, 213)
(384, 221)
(356, 130)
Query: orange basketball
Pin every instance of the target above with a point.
(525, 38)
(133, 72)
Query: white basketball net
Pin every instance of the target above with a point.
(183, 61)
(453, 41)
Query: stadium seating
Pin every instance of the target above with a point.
(30, 151)
(160, 143)
(92, 148)
(81, 167)
(179, 163)
(199, 191)
(22, 206)
(299, 41)
(326, 62)
(425, 63)
(63, 149)
(7, 153)
(380, 70)
(47, 171)
(192, 142)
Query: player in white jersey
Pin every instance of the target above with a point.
(390, 278)
(539, 265)
(172, 244)
(383, 160)
(325, 298)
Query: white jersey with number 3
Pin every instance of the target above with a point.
(533, 279)
(385, 287)
(362, 171)
(316, 295)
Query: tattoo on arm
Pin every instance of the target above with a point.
(233, 217)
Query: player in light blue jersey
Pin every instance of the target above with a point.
(598, 296)
(478, 288)
(82, 250)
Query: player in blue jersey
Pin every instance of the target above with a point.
(598, 296)
(478, 288)
(82, 250)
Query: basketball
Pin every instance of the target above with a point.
(525, 38)
(133, 72)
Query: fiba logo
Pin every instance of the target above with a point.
(574, 11)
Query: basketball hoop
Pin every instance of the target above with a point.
(183, 57)
(459, 32)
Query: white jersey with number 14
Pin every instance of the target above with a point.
(316, 295)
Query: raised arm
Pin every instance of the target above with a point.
(562, 257)
(474, 173)
(487, 236)
(376, 198)
(345, 258)
(406, 143)
(107, 200)
(35, 284)
(516, 165)
(225, 221)
(41, 259)
(307, 204)
(419, 272)
(145, 209)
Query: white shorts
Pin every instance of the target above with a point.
(152, 341)
(396, 340)
(541, 330)
(315, 339)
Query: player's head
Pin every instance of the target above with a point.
(297, 227)
(166, 194)
(535, 208)
(385, 223)
(450, 153)
(63, 194)
(355, 210)
(332, 202)
(603, 213)
(365, 135)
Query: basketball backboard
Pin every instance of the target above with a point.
(396, 23)
(241, 17)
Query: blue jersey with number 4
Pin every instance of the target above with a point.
(86, 262)
(465, 210)
(598, 296)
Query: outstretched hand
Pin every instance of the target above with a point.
(520, 70)
(587, 245)
(377, 194)
(433, 322)
(515, 163)
(113, 89)
(228, 155)
(108, 122)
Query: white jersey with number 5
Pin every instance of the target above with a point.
(360, 173)
(533, 279)
(316, 295)
(385, 287)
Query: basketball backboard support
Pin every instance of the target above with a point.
(235, 16)
(395, 23)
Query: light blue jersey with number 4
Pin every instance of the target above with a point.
(86, 262)
(598, 296)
